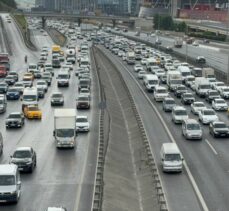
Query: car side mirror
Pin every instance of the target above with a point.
(54, 133)
(11, 156)
(19, 183)
(182, 159)
(162, 159)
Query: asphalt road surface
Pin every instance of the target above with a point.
(62, 177)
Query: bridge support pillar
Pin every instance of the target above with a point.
(79, 21)
(113, 23)
(43, 20)
(174, 4)
(131, 25)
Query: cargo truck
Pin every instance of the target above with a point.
(202, 85)
(178, 43)
(208, 72)
(65, 128)
(130, 59)
(174, 79)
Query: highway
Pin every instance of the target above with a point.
(215, 56)
(207, 159)
(62, 177)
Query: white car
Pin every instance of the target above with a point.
(68, 65)
(218, 85)
(179, 114)
(197, 106)
(138, 67)
(224, 92)
(141, 74)
(219, 105)
(85, 91)
(124, 57)
(160, 93)
(159, 72)
(207, 115)
(143, 61)
(42, 84)
(82, 124)
(120, 53)
(189, 80)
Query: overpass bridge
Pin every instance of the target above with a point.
(45, 15)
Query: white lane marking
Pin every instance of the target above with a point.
(212, 148)
(191, 178)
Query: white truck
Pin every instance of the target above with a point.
(202, 85)
(150, 62)
(185, 71)
(65, 128)
(71, 55)
(174, 79)
(178, 42)
(130, 57)
(208, 72)
(150, 81)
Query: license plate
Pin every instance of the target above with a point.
(2, 200)
(20, 169)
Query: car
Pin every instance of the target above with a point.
(19, 86)
(141, 74)
(187, 98)
(189, 80)
(3, 87)
(49, 70)
(179, 114)
(83, 102)
(25, 158)
(47, 77)
(32, 112)
(57, 98)
(42, 84)
(197, 106)
(160, 93)
(218, 129)
(191, 129)
(15, 119)
(10, 79)
(224, 92)
(86, 92)
(218, 85)
(179, 90)
(12, 94)
(143, 61)
(37, 73)
(41, 92)
(82, 124)
(211, 95)
(3, 103)
(195, 43)
(168, 104)
(219, 104)
(200, 59)
(207, 115)
(138, 67)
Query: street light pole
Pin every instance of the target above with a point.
(227, 39)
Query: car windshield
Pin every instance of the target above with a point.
(41, 83)
(27, 79)
(33, 108)
(81, 119)
(190, 79)
(181, 88)
(12, 90)
(220, 125)
(209, 113)
(220, 101)
(172, 157)
(64, 76)
(205, 86)
(63, 133)
(29, 97)
(161, 91)
(32, 66)
(199, 105)
(170, 102)
(83, 98)
(181, 113)
(188, 95)
(213, 94)
(22, 154)
(153, 81)
(6, 180)
(2, 85)
(57, 95)
(14, 116)
(193, 126)
(185, 73)
(226, 90)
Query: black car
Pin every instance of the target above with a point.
(83, 102)
(218, 129)
(15, 119)
(57, 98)
(12, 94)
(25, 158)
(41, 92)
(56, 63)
(211, 95)
(10, 79)
(179, 90)
(3, 88)
(200, 60)
(187, 98)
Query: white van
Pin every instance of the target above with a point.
(30, 96)
(185, 71)
(10, 183)
(171, 158)
(1, 144)
(160, 93)
(150, 81)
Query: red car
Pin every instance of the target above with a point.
(3, 71)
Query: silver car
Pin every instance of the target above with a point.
(191, 129)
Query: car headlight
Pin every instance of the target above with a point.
(216, 132)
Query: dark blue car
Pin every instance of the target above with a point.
(12, 94)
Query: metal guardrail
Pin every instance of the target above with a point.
(150, 157)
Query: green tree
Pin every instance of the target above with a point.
(10, 3)
(156, 21)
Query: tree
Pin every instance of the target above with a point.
(10, 3)
(156, 21)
